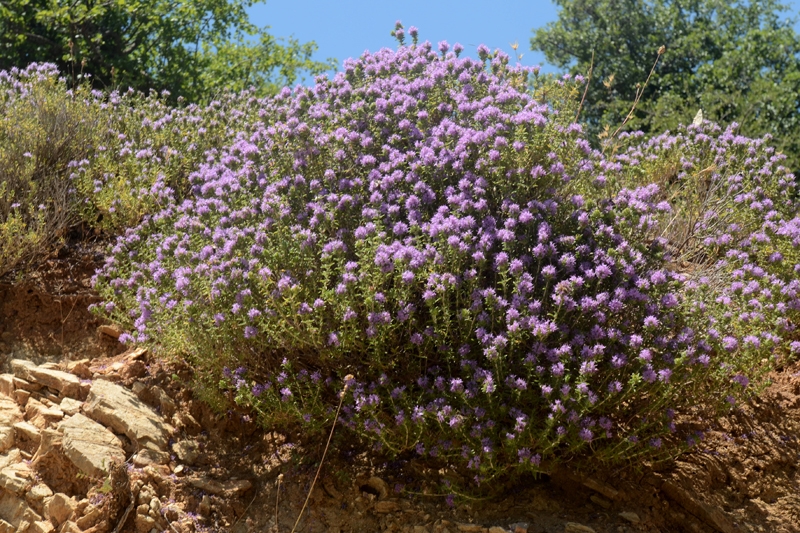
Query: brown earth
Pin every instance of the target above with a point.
(222, 473)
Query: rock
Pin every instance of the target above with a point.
(187, 451)
(386, 506)
(519, 527)
(603, 488)
(111, 330)
(605, 504)
(40, 415)
(90, 446)
(24, 384)
(205, 506)
(497, 529)
(710, 515)
(16, 478)
(211, 486)
(65, 383)
(146, 456)
(80, 368)
(633, 518)
(187, 422)
(118, 408)
(5, 527)
(60, 508)
(133, 370)
(22, 396)
(7, 384)
(91, 516)
(41, 527)
(70, 406)
(420, 529)
(574, 527)
(38, 493)
(26, 430)
(70, 527)
(165, 402)
(379, 485)
(7, 438)
(469, 528)
(16, 512)
(144, 523)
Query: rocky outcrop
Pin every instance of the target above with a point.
(120, 409)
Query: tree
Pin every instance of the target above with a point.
(736, 61)
(193, 48)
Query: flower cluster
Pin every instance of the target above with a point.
(427, 224)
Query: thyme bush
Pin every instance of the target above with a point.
(439, 229)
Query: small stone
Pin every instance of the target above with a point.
(110, 330)
(41, 527)
(146, 456)
(70, 406)
(379, 485)
(70, 527)
(633, 518)
(519, 527)
(155, 504)
(187, 451)
(386, 506)
(26, 430)
(605, 504)
(144, 523)
(187, 422)
(469, 528)
(7, 384)
(60, 507)
(143, 509)
(574, 527)
(80, 368)
(603, 488)
(39, 492)
(205, 506)
(91, 516)
(420, 529)
(179, 470)
(497, 529)
(5, 527)
(21, 395)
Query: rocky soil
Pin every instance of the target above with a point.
(97, 439)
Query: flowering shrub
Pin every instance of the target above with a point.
(436, 228)
(69, 156)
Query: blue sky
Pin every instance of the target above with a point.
(345, 28)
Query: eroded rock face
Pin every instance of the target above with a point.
(10, 414)
(90, 446)
(118, 408)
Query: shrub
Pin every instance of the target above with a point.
(42, 129)
(71, 156)
(436, 228)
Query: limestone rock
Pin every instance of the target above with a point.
(7, 384)
(574, 527)
(117, 407)
(90, 446)
(70, 406)
(16, 478)
(630, 517)
(64, 382)
(187, 451)
(110, 330)
(26, 430)
(146, 456)
(211, 486)
(60, 508)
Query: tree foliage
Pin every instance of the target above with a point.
(193, 48)
(737, 61)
